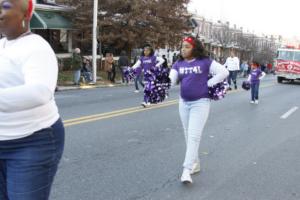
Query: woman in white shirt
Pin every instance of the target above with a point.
(31, 131)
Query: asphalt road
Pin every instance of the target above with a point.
(117, 150)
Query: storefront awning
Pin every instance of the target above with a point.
(49, 20)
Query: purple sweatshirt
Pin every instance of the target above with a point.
(254, 75)
(193, 77)
(147, 62)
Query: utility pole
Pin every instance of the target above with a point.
(95, 19)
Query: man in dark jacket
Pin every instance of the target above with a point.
(122, 63)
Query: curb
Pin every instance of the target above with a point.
(84, 87)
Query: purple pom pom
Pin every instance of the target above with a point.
(217, 91)
(129, 74)
(157, 84)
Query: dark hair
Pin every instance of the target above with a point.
(198, 51)
(151, 50)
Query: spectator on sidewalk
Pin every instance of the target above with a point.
(244, 68)
(263, 67)
(175, 57)
(76, 65)
(86, 70)
(233, 66)
(270, 68)
(31, 131)
(110, 67)
(122, 63)
(165, 64)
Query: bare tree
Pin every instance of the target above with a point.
(223, 34)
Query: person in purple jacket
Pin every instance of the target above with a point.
(254, 77)
(191, 71)
(145, 63)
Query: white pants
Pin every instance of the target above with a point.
(193, 115)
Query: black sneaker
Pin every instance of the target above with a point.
(235, 87)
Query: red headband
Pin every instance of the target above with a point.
(29, 9)
(189, 40)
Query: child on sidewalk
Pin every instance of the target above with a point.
(254, 78)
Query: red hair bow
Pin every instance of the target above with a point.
(189, 40)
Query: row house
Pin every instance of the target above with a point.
(51, 22)
(221, 38)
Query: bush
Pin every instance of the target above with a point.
(64, 64)
(65, 77)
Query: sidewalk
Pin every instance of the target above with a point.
(106, 84)
(98, 84)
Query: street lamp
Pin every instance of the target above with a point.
(95, 18)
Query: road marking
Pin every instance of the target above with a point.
(117, 113)
(288, 113)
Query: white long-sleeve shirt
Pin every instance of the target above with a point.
(218, 71)
(232, 64)
(28, 76)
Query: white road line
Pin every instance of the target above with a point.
(288, 113)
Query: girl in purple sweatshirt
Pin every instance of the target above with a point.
(192, 70)
(147, 61)
(254, 78)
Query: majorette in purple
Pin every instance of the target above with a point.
(193, 77)
(254, 75)
(147, 62)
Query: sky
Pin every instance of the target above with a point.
(277, 17)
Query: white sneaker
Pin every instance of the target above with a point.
(186, 176)
(144, 104)
(196, 168)
(256, 102)
(252, 102)
(136, 91)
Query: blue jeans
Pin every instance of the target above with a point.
(77, 75)
(28, 165)
(193, 115)
(122, 74)
(232, 76)
(139, 79)
(254, 91)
